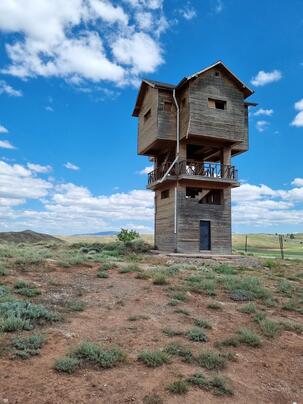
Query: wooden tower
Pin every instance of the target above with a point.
(191, 131)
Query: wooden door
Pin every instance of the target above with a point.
(205, 239)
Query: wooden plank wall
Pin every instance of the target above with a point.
(226, 124)
(190, 212)
(164, 221)
(148, 130)
(166, 119)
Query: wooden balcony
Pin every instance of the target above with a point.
(194, 170)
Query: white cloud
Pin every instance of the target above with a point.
(71, 166)
(263, 78)
(262, 125)
(3, 129)
(9, 90)
(139, 51)
(265, 112)
(188, 12)
(146, 170)
(49, 108)
(18, 184)
(5, 144)
(71, 39)
(37, 168)
(298, 120)
(297, 182)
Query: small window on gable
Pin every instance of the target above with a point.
(147, 115)
(167, 106)
(165, 194)
(216, 104)
(217, 74)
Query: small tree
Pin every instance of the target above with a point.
(292, 236)
(127, 235)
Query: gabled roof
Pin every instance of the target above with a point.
(246, 90)
(152, 83)
(166, 86)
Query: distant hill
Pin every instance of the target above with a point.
(100, 233)
(26, 236)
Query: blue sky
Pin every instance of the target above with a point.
(69, 75)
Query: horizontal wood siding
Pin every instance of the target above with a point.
(229, 124)
(190, 212)
(164, 222)
(148, 129)
(166, 119)
(184, 111)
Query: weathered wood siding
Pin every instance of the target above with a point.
(166, 119)
(190, 212)
(183, 102)
(228, 124)
(148, 129)
(164, 221)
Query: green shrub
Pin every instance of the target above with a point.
(177, 349)
(17, 315)
(245, 287)
(28, 346)
(200, 322)
(249, 308)
(199, 284)
(91, 352)
(102, 274)
(270, 264)
(153, 359)
(130, 268)
(142, 275)
(285, 287)
(178, 387)
(75, 305)
(138, 246)
(180, 297)
(292, 326)
(197, 335)
(293, 305)
(199, 380)
(225, 269)
(230, 341)
(106, 266)
(214, 306)
(67, 364)
(211, 360)
(249, 337)
(219, 387)
(127, 235)
(3, 271)
(269, 328)
(160, 279)
(26, 289)
(182, 311)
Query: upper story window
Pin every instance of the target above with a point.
(165, 194)
(217, 74)
(216, 104)
(147, 115)
(167, 106)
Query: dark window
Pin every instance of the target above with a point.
(217, 74)
(147, 115)
(167, 106)
(216, 104)
(212, 197)
(165, 194)
(192, 192)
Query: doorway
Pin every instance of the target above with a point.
(205, 238)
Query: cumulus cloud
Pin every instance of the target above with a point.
(9, 90)
(262, 125)
(5, 144)
(297, 182)
(37, 168)
(3, 129)
(71, 166)
(298, 120)
(265, 112)
(263, 78)
(188, 12)
(72, 39)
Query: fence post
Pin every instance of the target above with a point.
(246, 243)
(281, 246)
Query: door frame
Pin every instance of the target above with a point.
(209, 238)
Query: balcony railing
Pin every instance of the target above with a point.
(193, 168)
